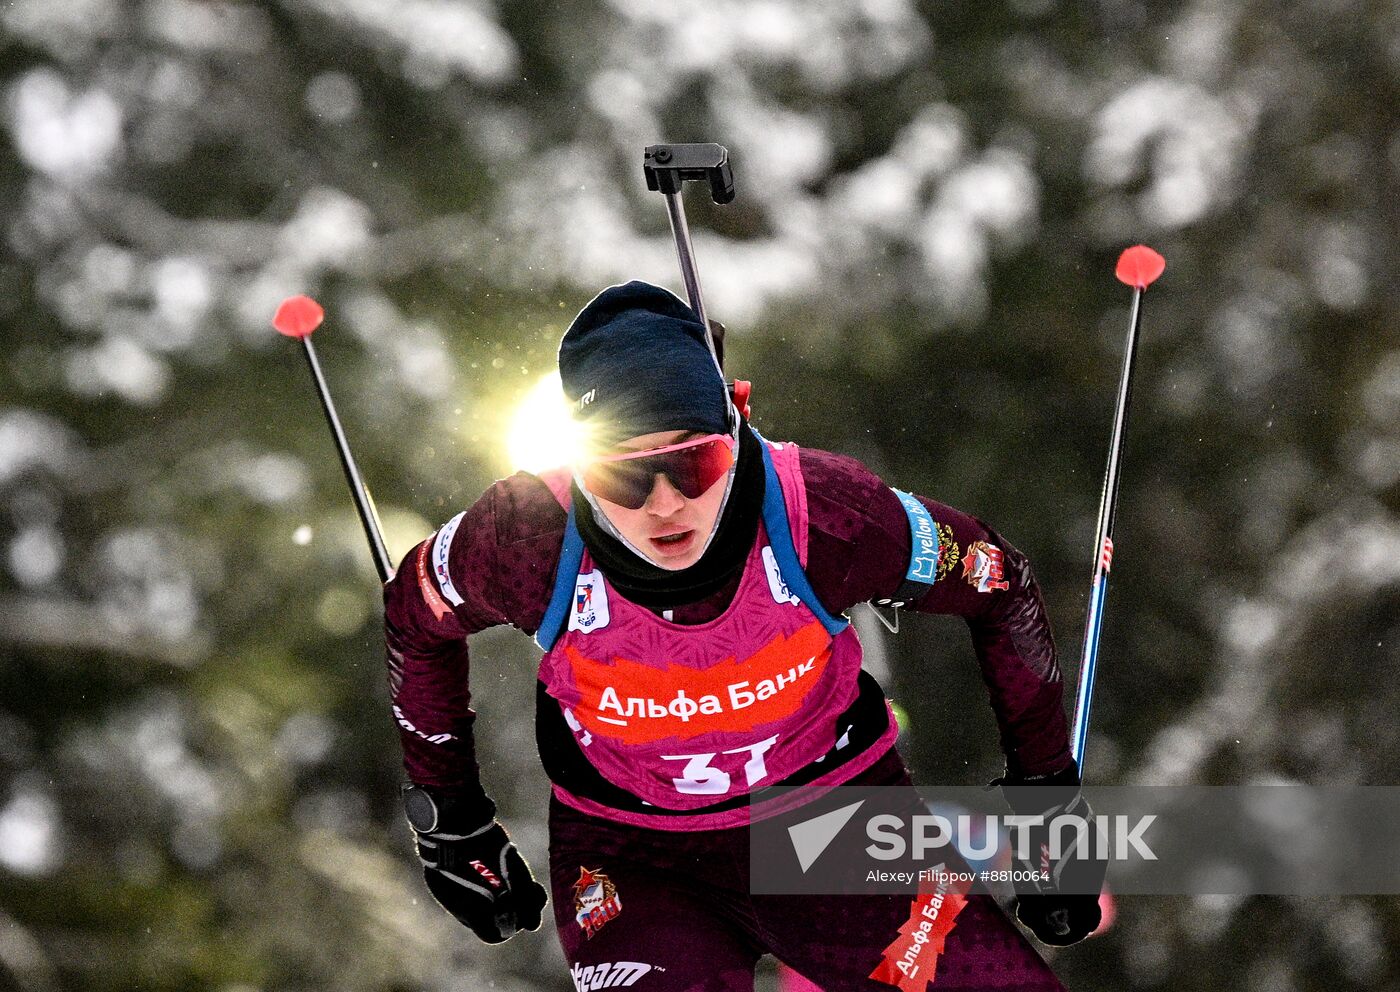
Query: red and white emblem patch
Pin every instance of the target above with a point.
(595, 900)
(982, 567)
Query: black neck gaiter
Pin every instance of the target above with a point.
(660, 589)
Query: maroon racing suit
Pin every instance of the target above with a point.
(690, 922)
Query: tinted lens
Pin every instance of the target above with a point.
(624, 483)
(628, 483)
(694, 470)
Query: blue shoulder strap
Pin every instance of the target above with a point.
(775, 522)
(565, 578)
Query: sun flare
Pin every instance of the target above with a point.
(542, 435)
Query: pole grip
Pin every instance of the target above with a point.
(667, 168)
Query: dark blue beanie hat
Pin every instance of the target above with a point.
(636, 361)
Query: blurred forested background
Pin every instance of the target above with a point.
(197, 768)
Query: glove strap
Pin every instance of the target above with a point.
(453, 813)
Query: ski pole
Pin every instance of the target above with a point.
(667, 168)
(1138, 267)
(297, 317)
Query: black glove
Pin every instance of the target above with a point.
(1061, 904)
(472, 868)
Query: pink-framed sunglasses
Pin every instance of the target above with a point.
(692, 467)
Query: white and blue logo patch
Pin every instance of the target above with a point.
(776, 585)
(589, 610)
(442, 548)
(923, 554)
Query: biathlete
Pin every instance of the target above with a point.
(687, 581)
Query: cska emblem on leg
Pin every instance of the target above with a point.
(595, 900)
